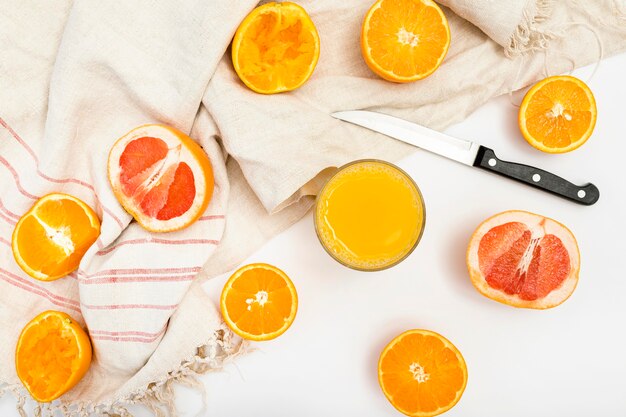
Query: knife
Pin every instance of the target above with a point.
(469, 153)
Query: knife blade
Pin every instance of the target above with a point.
(469, 153)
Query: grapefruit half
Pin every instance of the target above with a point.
(161, 177)
(524, 260)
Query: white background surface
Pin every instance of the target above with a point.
(567, 361)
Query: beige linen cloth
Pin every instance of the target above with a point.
(75, 76)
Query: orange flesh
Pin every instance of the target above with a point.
(558, 114)
(162, 190)
(420, 374)
(54, 238)
(405, 40)
(278, 48)
(511, 262)
(48, 358)
(369, 215)
(259, 302)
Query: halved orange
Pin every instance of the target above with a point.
(558, 114)
(52, 355)
(161, 177)
(524, 260)
(51, 238)
(422, 373)
(276, 48)
(404, 40)
(259, 302)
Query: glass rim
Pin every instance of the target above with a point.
(421, 201)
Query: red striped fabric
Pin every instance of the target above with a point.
(158, 241)
(145, 278)
(51, 179)
(129, 307)
(7, 219)
(16, 178)
(138, 271)
(32, 288)
(8, 212)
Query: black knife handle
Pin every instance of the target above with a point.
(587, 194)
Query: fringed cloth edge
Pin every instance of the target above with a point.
(158, 396)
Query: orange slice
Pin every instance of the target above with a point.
(161, 177)
(404, 40)
(259, 302)
(421, 373)
(53, 353)
(276, 48)
(524, 260)
(558, 114)
(51, 238)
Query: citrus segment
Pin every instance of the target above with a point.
(259, 302)
(136, 158)
(422, 373)
(53, 353)
(181, 193)
(275, 48)
(524, 260)
(50, 240)
(404, 40)
(558, 114)
(161, 177)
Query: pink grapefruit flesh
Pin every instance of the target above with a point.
(524, 260)
(161, 177)
(174, 190)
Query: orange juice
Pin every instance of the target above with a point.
(370, 215)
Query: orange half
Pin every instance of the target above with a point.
(53, 353)
(259, 302)
(422, 373)
(404, 40)
(50, 240)
(558, 114)
(276, 48)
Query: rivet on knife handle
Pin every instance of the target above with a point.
(587, 194)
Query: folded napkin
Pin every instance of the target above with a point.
(75, 76)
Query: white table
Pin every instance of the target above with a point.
(567, 361)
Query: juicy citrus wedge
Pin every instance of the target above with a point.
(422, 373)
(51, 238)
(524, 260)
(558, 114)
(53, 353)
(404, 40)
(276, 48)
(259, 302)
(161, 177)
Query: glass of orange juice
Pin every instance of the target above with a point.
(370, 215)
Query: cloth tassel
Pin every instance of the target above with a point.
(158, 397)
